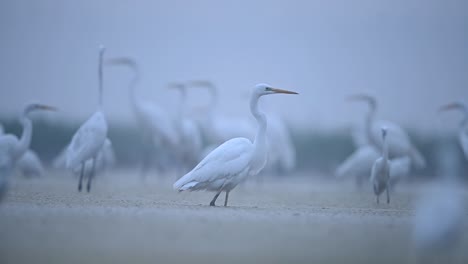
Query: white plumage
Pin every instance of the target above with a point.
(30, 165)
(399, 143)
(234, 160)
(12, 148)
(156, 125)
(90, 137)
(463, 129)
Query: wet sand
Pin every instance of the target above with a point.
(280, 220)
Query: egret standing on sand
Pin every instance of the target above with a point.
(90, 137)
(398, 141)
(380, 175)
(463, 130)
(235, 160)
(12, 148)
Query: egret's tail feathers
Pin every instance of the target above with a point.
(184, 183)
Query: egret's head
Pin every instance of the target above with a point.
(454, 106)
(363, 98)
(32, 107)
(265, 89)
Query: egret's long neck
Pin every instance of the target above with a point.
(385, 148)
(260, 138)
(369, 122)
(100, 80)
(25, 139)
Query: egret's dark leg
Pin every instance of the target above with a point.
(377, 199)
(212, 203)
(226, 200)
(388, 196)
(81, 176)
(91, 175)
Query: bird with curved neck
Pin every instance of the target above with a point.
(157, 128)
(236, 159)
(463, 128)
(90, 137)
(380, 175)
(190, 138)
(12, 148)
(399, 143)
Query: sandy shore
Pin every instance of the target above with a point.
(125, 220)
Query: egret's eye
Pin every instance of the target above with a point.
(267, 89)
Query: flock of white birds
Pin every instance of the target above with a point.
(383, 156)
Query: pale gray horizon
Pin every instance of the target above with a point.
(411, 55)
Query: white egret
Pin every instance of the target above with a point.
(398, 141)
(236, 159)
(30, 165)
(463, 129)
(12, 148)
(90, 137)
(190, 142)
(218, 129)
(438, 222)
(380, 175)
(156, 125)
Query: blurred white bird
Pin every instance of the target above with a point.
(12, 148)
(281, 149)
(234, 160)
(90, 137)
(190, 138)
(399, 144)
(154, 122)
(463, 129)
(438, 223)
(105, 159)
(30, 165)
(216, 128)
(380, 174)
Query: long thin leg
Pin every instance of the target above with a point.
(388, 196)
(212, 203)
(226, 200)
(81, 176)
(91, 175)
(377, 199)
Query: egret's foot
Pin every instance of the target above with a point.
(212, 203)
(79, 187)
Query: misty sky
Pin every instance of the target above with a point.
(412, 55)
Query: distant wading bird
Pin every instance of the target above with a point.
(158, 129)
(463, 130)
(401, 151)
(12, 148)
(90, 137)
(380, 175)
(190, 138)
(236, 159)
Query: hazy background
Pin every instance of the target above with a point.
(412, 55)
